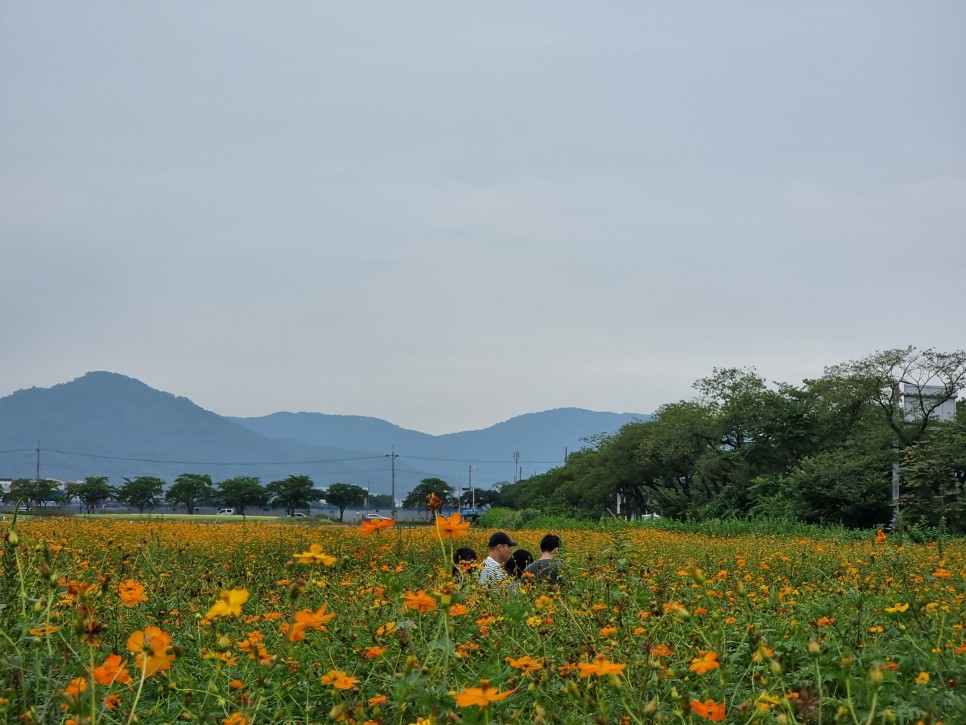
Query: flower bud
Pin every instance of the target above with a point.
(875, 675)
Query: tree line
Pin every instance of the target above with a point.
(192, 490)
(868, 443)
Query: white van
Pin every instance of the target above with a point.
(226, 512)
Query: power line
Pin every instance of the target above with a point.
(212, 463)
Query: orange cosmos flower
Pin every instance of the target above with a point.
(112, 701)
(433, 502)
(236, 718)
(527, 664)
(705, 663)
(480, 696)
(660, 650)
(451, 527)
(373, 652)
(601, 666)
(229, 604)
(377, 700)
(307, 619)
(131, 593)
(112, 670)
(43, 631)
(420, 601)
(457, 609)
(942, 573)
(339, 680)
(150, 648)
(709, 709)
(371, 527)
(880, 537)
(75, 687)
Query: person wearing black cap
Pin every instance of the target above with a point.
(492, 571)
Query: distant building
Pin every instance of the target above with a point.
(917, 399)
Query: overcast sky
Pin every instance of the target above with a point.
(449, 214)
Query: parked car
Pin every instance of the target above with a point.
(226, 512)
(375, 517)
(298, 515)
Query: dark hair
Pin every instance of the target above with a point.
(549, 542)
(518, 561)
(464, 554)
(463, 557)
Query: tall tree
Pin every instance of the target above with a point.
(343, 495)
(294, 492)
(92, 491)
(33, 492)
(191, 489)
(241, 492)
(934, 472)
(141, 492)
(416, 499)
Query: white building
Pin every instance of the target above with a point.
(927, 399)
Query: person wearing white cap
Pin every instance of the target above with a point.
(492, 571)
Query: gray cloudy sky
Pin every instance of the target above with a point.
(448, 214)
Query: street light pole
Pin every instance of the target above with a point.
(392, 491)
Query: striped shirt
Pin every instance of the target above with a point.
(492, 572)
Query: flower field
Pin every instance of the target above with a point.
(107, 621)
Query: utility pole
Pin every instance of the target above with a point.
(472, 492)
(392, 491)
(516, 466)
(38, 463)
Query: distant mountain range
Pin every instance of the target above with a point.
(107, 424)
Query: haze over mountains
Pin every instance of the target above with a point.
(107, 424)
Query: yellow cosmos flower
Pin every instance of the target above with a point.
(922, 678)
(229, 604)
(897, 607)
(339, 680)
(315, 555)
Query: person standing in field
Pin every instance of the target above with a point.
(546, 567)
(492, 571)
(518, 561)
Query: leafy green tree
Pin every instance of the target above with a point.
(844, 486)
(241, 492)
(191, 489)
(141, 492)
(33, 492)
(893, 378)
(343, 495)
(92, 491)
(934, 474)
(294, 492)
(416, 499)
(380, 501)
(482, 498)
